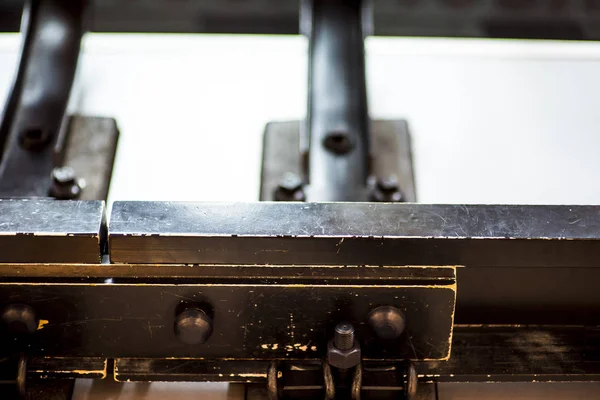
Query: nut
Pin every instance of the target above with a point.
(343, 359)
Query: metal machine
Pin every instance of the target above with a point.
(338, 284)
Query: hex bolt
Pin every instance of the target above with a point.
(343, 337)
(388, 322)
(193, 326)
(290, 188)
(65, 185)
(20, 319)
(343, 351)
(386, 189)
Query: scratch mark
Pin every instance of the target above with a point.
(412, 346)
(339, 245)
(150, 329)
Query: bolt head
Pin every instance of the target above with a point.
(388, 183)
(386, 189)
(20, 319)
(63, 175)
(193, 326)
(290, 188)
(387, 322)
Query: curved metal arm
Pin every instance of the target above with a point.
(36, 105)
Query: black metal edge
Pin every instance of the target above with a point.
(67, 367)
(435, 275)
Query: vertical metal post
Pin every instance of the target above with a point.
(337, 120)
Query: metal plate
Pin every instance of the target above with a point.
(390, 148)
(50, 231)
(89, 148)
(257, 321)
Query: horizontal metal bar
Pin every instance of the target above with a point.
(67, 367)
(355, 233)
(519, 353)
(479, 354)
(249, 321)
(523, 264)
(50, 231)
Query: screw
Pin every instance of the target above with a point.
(386, 189)
(290, 188)
(338, 142)
(65, 185)
(20, 319)
(343, 337)
(193, 326)
(387, 322)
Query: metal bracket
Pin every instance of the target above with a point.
(391, 158)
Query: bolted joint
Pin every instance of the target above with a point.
(290, 188)
(65, 185)
(386, 190)
(343, 359)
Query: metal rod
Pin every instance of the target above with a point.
(37, 103)
(337, 120)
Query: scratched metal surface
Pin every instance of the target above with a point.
(354, 220)
(48, 231)
(355, 234)
(262, 321)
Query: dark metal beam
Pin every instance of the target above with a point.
(337, 120)
(523, 264)
(354, 234)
